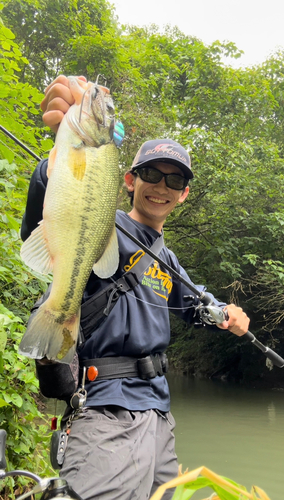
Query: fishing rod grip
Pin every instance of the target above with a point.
(273, 356)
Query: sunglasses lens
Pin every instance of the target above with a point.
(174, 181)
(150, 174)
(153, 176)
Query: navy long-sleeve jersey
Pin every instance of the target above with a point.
(138, 325)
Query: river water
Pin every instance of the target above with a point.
(235, 431)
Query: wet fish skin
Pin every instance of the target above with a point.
(77, 233)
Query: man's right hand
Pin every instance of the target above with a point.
(57, 101)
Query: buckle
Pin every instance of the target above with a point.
(127, 282)
(152, 366)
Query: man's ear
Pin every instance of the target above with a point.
(184, 195)
(129, 180)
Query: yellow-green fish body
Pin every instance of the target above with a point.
(77, 233)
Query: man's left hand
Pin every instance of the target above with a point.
(238, 322)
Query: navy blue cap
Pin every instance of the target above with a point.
(164, 150)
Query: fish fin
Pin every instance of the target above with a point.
(35, 252)
(77, 162)
(108, 263)
(46, 337)
(51, 161)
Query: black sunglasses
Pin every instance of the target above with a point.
(153, 176)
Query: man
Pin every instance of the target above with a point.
(122, 445)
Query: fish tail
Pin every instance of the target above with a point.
(47, 336)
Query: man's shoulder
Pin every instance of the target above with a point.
(170, 255)
(39, 174)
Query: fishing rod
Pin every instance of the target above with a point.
(17, 141)
(209, 312)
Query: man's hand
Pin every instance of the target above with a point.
(238, 322)
(57, 101)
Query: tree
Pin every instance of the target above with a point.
(45, 29)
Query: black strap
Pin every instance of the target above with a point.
(142, 265)
(123, 366)
(98, 307)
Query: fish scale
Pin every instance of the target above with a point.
(77, 233)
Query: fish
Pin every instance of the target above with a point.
(77, 234)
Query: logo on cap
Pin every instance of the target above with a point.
(166, 149)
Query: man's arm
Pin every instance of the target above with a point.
(237, 323)
(33, 213)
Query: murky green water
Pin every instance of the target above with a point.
(235, 431)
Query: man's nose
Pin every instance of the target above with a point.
(161, 186)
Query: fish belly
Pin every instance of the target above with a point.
(78, 221)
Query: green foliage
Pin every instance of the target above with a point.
(27, 435)
(19, 102)
(46, 30)
(224, 489)
(26, 432)
(20, 417)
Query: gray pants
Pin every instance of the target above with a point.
(114, 454)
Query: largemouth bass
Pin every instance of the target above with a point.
(77, 233)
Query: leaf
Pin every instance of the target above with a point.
(7, 33)
(17, 400)
(12, 222)
(3, 403)
(46, 144)
(3, 338)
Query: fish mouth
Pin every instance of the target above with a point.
(101, 105)
(96, 107)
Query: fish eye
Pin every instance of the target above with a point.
(110, 107)
(95, 92)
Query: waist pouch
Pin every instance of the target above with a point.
(98, 307)
(123, 366)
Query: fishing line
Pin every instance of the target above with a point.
(155, 305)
(160, 307)
(81, 107)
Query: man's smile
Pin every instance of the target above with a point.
(156, 200)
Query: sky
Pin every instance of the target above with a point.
(255, 26)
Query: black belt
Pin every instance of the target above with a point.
(122, 366)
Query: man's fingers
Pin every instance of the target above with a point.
(61, 79)
(238, 322)
(52, 119)
(58, 99)
(59, 92)
(59, 103)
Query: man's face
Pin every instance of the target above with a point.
(152, 203)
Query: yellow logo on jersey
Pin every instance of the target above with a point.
(160, 282)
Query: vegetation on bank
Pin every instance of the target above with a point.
(228, 233)
(188, 483)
